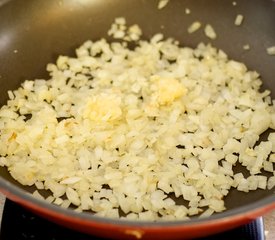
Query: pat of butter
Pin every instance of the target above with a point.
(103, 108)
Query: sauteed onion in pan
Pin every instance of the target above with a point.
(125, 132)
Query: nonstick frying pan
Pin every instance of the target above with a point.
(34, 32)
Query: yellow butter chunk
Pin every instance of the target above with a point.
(168, 90)
(103, 108)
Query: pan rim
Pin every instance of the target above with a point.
(25, 198)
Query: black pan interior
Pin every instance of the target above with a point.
(34, 32)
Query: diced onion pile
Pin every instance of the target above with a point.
(119, 130)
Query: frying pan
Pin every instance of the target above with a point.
(34, 32)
